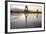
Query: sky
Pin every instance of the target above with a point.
(31, 6)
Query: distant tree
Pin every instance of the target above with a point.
(37, 13)
(10, 11)
(37, 10)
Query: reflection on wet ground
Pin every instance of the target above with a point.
(18, 20)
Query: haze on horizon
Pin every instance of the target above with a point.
(22, 7)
